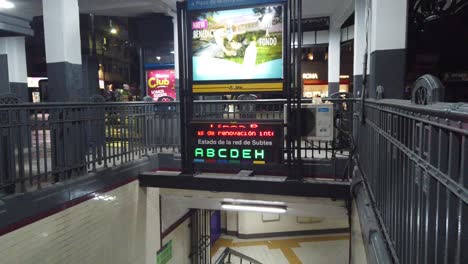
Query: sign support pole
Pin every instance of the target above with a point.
(185, 87)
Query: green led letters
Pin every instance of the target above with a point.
(234, 153)
(222, 153)
(259, 154)
(199, 152)
(210, 153)
(246, 154)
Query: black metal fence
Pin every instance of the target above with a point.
(200, 237)
(415, 161)
(239, 109)
(41, 144)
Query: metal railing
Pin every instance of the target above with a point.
(239, 109)
(41, 144)
(228, 255)
(415, 162)
(200, 239)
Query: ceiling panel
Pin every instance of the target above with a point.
(128, 8)
(30, 8)
(319, 8)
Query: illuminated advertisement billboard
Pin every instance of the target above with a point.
(161, 85)
(238, 44)
(237, 143)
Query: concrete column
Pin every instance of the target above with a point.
(334, 49)
(13, 69)
(359, 45)
(63, 50)
(388, 22)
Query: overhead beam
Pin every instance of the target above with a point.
(323, 189)
(15, 26)
(171, 4)
(341, 13)
(90, 7)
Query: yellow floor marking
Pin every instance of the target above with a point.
(250, 243)
(285, 245)
(290, 256)
(222, 242)
(322, 238)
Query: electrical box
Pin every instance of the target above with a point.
(316, 121)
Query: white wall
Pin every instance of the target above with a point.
(232, 221)
(223, 220)
(359, 36)
(334, 49)
(310, 206)
(251, 223)
(180, 243)
(389, 21)
(171, 211)
(15, 49)
(62, 31)
(120, 226)
(315, 37)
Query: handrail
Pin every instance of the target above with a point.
(440, 109)
(229, 251)
(47, 104)
(413, 159)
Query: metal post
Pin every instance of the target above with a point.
(93, 35)
(186, 99)
(288, 87)
(297, 17)
(141, 56)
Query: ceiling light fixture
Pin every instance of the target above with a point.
(6, 4)
(113, 30)
(172, 52)
(261, 208)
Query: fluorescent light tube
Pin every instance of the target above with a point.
(254, 208)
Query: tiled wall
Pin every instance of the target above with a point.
(253, 223)
(180, 243)
(120, 226)
(171, 211)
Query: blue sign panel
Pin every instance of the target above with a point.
(211, 4)
(323, 110)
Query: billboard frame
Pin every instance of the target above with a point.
(239, 82)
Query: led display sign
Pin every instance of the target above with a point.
(161, 85)
(237, 143)
(238, 44)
